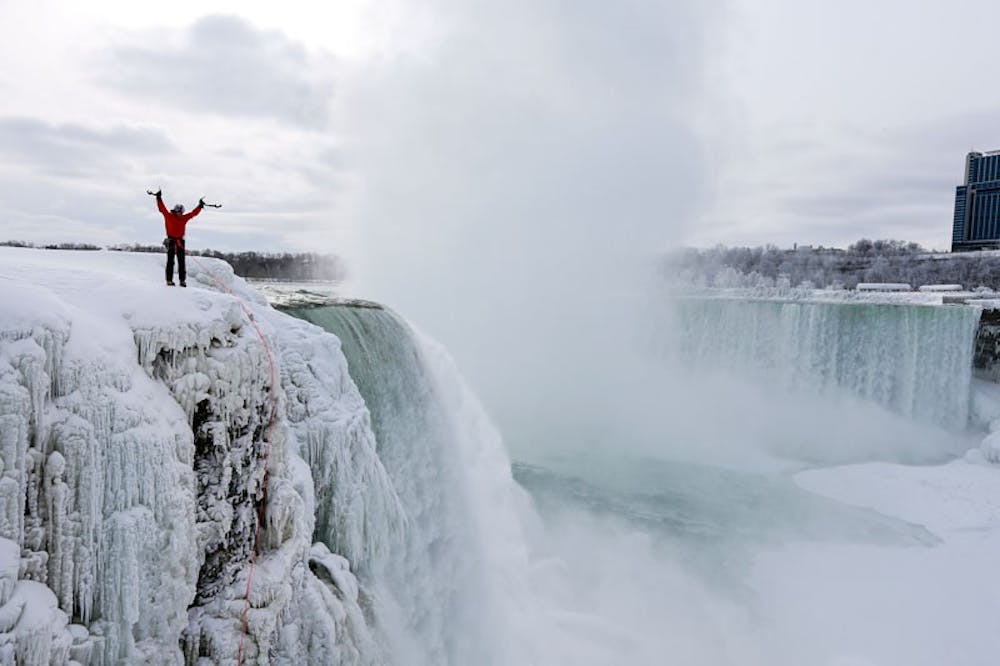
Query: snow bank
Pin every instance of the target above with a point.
(883, 604)
(884, 286)
(956, 497)
(984, 299)
(940, 287)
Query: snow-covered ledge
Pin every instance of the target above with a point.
(132, 432)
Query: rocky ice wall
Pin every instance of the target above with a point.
(96, 488)
(986, 361)
(133, 424)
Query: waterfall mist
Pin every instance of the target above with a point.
(519, 182)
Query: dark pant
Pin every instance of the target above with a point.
(175, 246)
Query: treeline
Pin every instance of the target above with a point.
(283, 266)
(263, 265)
(266, 265)
(51, 246)
(863, 261)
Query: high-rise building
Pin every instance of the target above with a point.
(977, 204)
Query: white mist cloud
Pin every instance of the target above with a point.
(516, 172)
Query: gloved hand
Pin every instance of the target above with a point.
(201, 202)
(159, 194)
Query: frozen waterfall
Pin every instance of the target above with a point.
(437, 598)
(133, 431)
(915, 360)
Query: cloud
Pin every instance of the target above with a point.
(74, 149)
(830, 129)
(869, 192)
(806, 184)
(224, 65)
(44, 210)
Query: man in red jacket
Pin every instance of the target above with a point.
(175, 220)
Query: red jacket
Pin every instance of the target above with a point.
(175, 223)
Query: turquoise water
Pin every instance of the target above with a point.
(711, 519)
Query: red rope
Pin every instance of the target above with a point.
(267, 453)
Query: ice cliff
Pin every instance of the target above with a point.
(133, 435)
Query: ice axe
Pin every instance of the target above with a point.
(201, 201)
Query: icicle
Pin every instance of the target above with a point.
(60, 530)
(358, 513)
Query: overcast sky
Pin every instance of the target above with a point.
(369, 127)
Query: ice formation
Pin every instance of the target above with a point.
(133, 426)
(134, 430)
(913, 359)
(439, 596)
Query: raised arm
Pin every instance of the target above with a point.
(197, 209)
(159, 204)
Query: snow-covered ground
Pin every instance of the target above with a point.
(884, 605)
(981, 298)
